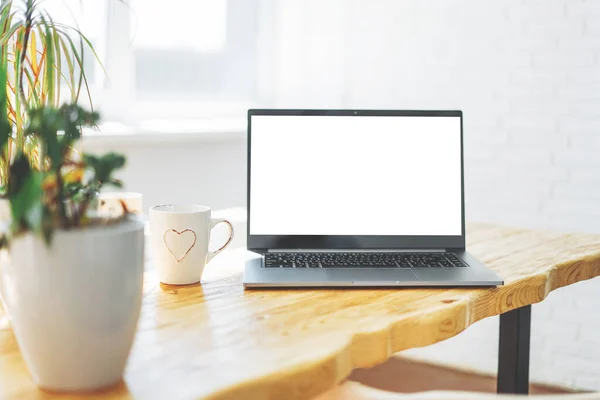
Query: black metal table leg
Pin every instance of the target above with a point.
(513, 355)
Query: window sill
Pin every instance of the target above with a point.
(166, 132)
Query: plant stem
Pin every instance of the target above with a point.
(28, 22)
(42, 155)
(84, 207)
(62, 212)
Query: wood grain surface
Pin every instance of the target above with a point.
(218, 341)
(356, 391)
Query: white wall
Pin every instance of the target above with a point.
(526, 73)
(182, 171)
(527, 76)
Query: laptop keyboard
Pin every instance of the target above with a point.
(362, 260)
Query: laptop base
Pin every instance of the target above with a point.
(476, 275)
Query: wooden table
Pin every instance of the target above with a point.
(218, 341)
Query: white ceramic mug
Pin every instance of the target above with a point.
(179, 237)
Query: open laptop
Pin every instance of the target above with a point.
(358, 198)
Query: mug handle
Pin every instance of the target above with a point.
(214, 222)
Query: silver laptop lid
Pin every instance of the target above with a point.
(355, 179)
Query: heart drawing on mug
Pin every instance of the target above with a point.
(179, 236)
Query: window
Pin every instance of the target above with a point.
(211, 57)
(168, 61)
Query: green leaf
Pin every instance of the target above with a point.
(78, 55)
(71, 122)
(50, 62)
(5, 128)
(17, 78)
(5, 38)
(69, 58)
(27, 203)
(45, 122)
(116, 183)
(58, 66)
(20, 171)
(34, 89)
(47, 228)
(104, 167)
(85, 40)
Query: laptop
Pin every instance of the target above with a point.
(357, 198)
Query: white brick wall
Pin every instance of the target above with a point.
(527, 76)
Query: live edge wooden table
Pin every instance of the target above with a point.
(218, 341)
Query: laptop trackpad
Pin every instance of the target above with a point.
(370, 275)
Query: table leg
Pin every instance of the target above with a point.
(513, 355)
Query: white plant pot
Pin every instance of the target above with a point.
(4, 223)
(74, 306)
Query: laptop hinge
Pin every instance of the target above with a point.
(455, 249)
(356, 250)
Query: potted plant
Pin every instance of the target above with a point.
(45, 64)
(73, 283)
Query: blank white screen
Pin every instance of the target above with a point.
(355, 175)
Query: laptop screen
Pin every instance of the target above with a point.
(355, 175)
